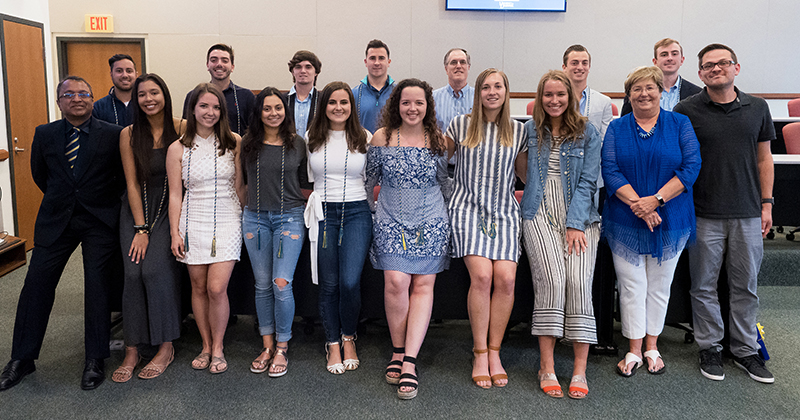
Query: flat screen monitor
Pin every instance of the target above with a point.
(509, 5)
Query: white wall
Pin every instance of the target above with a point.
(619, 34)
(37, 11)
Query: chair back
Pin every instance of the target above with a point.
(614, 110)
(791, 136)
(529, 108)
(794, 107)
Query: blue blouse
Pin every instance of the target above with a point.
(647, 164)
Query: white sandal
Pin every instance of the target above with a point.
(630, 358)
(654, 355)
(336, 368)
(350, 364)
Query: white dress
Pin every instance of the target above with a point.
(211, 202)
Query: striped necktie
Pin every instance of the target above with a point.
(73, 145)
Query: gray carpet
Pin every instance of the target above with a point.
(446, 391)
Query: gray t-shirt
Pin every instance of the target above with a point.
(295, 177)
(728, 186)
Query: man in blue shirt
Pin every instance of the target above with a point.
(374, 90)
(240, 101)
(668, 56)
(302, 97)
(457, 96)
(113, 108)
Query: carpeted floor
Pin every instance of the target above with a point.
(446, 391)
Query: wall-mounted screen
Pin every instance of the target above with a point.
(511, 5)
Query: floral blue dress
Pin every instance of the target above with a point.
(411, 228)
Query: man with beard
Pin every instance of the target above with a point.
(113, 108)
(240, 101)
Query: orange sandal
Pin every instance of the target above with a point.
(548, 382)
(499, 376)
(578, 388)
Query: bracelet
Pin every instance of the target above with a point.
(144, 229)
(660, 199)
(768, 201)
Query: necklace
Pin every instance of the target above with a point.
(325, 186)
(491, 230)
(557, 141)
(148, 225)
(420, 239)
(258, 198)
(358, 103)
(188, 175)
(238, 114)
(588, 100)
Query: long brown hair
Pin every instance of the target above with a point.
(222, 128)
(253, 138)
(142, 140)
(391, 119)
(321, 126)
(477, 122)
(573, 124)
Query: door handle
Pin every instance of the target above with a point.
(18, 149)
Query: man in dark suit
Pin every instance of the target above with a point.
(75, 162)
(302, 97)
(668, 56)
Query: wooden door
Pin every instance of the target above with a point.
(88, 58)
(26, 107)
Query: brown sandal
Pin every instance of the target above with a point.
(125, 373)
(202, 361)
(499, 376)
(216, 362)
(480, 378)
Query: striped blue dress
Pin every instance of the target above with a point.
(483, 193)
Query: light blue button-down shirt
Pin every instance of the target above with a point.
(449, 105)
(670, 97)
(584, 94)
(301, 111)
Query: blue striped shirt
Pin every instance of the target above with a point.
(449, 106)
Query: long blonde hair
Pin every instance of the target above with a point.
(477, 123)
(572, 123)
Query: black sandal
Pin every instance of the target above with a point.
(394, 380)
(413, 393)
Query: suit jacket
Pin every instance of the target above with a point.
(314, 107)
(687, 89)
(96, 183)
(599, 113)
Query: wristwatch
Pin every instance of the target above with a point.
(768, 200)
(660, 199)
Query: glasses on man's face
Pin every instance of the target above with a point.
(72, 95)
(454, 63)
(724, 64)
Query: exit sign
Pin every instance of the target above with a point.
(99, 23)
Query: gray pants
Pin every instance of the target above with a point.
(741, 241)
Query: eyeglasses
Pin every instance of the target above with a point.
(71, 95)
(724, 64)
(457, 62)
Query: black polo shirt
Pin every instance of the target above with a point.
(728, 186)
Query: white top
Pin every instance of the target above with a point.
(336, 150)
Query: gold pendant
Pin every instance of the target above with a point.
(214, 247)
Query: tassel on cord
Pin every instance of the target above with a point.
(186, 242)
(420, 236)
(403, 240)
(324, 238)
(280, 248)
(258, 244)
(493, 232)
(341, 235)
(214, 247)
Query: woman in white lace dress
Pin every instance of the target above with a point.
(205, 222)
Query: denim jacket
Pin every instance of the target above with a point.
(583, 160)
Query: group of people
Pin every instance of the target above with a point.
(233, 171)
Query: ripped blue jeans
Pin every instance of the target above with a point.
(274, 304)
